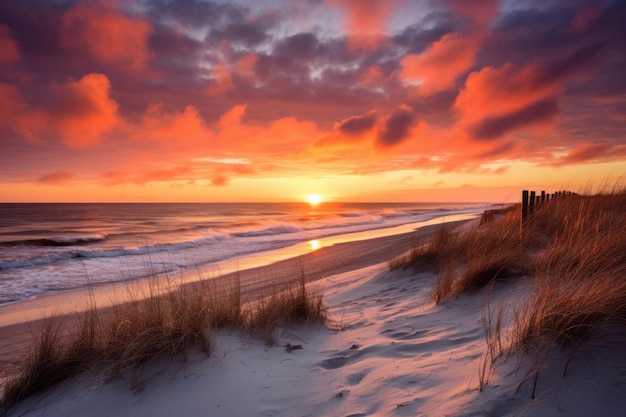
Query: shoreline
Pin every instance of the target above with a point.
(267, 262)
(19, 321)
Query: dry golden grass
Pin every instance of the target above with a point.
(147, 328)
(573, 248)
(470, 260)
(580, 278)
(578, 247)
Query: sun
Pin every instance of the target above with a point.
(314, 199)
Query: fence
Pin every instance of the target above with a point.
(532, 199)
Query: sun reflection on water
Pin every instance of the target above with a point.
(315, 244)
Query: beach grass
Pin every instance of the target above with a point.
(573, 251)
(128, 338)
(579, 287)
(473, 258)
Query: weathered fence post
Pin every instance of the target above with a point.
(524, 203)
(543, 196)
(532, 202)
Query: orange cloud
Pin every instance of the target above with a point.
(9, 51)
(231, 120)
(83, 110)
(79, 112)
(219, 181)
(176, 129)
(496, 101)
(278, 137)
(438, 68)
(365, 20)
(99, 31)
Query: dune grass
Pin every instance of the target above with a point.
(579, 285)
(128, 338)
(573, 249)
(471, 259)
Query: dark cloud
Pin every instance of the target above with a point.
(568, 63)
(557, 70)
(396, 128)
(415, 39)
(495, 127)
(194, 14)
(245, 33)
(300, 46)
(357, 125)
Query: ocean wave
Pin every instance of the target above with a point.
(108, 253)
(58, 240)
(278, 229)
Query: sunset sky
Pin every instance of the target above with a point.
(355, 100)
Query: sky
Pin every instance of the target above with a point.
(354, 100)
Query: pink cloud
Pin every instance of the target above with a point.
(222, 79)
(245, 66)
(99, 31)
(366, 20)
(372, 76)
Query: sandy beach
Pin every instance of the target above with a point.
(388, 350)
(19, 321)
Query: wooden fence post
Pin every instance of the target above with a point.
(524, 203)
(532, 202)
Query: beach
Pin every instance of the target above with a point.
(388, 349)
(18, 321)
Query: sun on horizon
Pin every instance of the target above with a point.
(314, 199)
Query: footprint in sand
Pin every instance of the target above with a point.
(355, 379)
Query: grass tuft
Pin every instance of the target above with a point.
(165, 323)
(474, 258)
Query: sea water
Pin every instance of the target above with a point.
(47, 248)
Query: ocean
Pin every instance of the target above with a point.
(47, 248)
